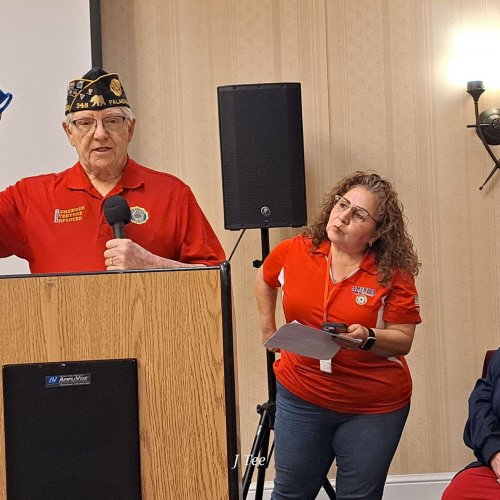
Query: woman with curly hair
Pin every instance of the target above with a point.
(356, 265)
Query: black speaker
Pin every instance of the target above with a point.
(262, 154)
(72, 430)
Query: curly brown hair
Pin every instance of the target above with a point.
(394, 247)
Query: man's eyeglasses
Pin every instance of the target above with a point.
(112, 123)
(359, 214)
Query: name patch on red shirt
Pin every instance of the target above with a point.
(69, 214)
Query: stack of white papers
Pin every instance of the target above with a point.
(307, 341)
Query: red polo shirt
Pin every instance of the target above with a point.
(56, 221)
(360, 382)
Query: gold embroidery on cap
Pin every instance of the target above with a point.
(116, 87)
(97, 100)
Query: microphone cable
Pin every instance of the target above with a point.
(236, 245)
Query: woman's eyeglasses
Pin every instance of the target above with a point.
(358, 214)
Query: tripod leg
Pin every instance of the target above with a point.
(262, 432)
(327, 486)
(263, 464)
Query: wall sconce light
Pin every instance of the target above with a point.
(487, 124)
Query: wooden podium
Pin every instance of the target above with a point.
(178, 324)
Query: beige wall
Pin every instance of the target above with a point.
(375, 96)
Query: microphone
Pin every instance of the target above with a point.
(117, 213)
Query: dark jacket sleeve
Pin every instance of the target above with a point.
(482, 430)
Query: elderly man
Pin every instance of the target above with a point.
(56, 222)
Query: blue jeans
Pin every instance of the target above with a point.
(309, 438)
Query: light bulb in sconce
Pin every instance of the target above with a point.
(471, 54)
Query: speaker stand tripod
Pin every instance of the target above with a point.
(260, 454)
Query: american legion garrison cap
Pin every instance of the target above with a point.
(94, 91)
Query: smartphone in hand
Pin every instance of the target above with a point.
(337, 329)
(334, 327)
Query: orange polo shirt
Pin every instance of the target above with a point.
(56, 221)
(360, 381)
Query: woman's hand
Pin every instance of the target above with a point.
(356, 331)
(266, 334)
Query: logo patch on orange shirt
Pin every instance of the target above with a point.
(68, 214)
(361, 300)
(363, 290)
(362, 294)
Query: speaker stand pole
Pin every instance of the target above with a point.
(259, 454)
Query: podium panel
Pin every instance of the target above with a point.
(72, 430)
(177, 324)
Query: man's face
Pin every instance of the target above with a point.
(101, 139)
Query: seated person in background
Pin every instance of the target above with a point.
(55, 221)
(480, 480)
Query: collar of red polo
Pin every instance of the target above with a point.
(367, 263)
(130, 179)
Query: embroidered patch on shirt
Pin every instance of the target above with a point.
(361, 300)
(361, 290)
(68, 214)
(138, 215)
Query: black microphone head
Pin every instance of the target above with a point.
(116, 210)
